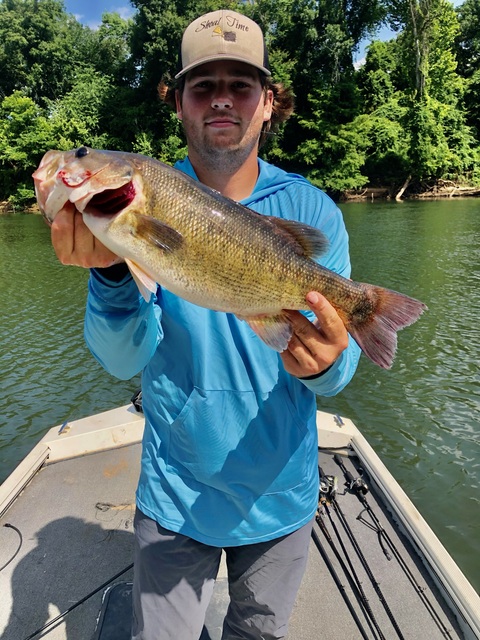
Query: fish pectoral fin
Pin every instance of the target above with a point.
(146, 285)
(157, 232)
(275, 331)
(304, 240)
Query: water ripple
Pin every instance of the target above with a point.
(422, 417)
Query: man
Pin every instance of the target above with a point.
(230, 451)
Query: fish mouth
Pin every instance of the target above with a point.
(111, 201)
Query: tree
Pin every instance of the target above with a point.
(40, 48)
(375, 78)
(468, 55)
(25, 135)
(81, 116)
(440, 142)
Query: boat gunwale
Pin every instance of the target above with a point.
(464, 601)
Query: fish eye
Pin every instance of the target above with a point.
(81, 152)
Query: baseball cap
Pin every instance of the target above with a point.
(222, 35)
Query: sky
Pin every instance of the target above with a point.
(89, 12)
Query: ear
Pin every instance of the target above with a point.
(268, 106)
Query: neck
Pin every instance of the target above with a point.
(235, 182)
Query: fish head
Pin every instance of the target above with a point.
(97, 182)
(50, 196)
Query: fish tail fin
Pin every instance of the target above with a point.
(377, 335)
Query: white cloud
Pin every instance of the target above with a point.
(125, 12)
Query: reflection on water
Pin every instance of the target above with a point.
(422, 416)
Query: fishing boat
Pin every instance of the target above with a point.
(375, 570)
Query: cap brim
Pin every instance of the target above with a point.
(216, 57)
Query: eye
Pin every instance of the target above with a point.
(81, 152)
(202, 85)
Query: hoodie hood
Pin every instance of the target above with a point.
(270, 180)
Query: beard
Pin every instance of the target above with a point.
(224, 153)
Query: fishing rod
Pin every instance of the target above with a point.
(49, 625)
(338, 582)
(327, 492)
(360, 488)
(366, 566)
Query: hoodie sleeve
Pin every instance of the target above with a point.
(338, 375)
(121, 330)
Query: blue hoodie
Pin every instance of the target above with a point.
(230, 446)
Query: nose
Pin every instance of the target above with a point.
(221, 101)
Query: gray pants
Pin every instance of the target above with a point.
(174, 577)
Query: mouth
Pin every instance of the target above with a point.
(111, 201)
(221, 123)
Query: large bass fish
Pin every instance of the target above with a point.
(212, 251)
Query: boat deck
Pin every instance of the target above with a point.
(71, 531)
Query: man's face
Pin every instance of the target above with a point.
(223, 108)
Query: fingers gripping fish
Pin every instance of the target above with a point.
(212, 251)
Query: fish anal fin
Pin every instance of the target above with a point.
(145, 283)
(304, 240)
(157, 232)
(275, 331)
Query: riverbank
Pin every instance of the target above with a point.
(440, 190)
(9, 207)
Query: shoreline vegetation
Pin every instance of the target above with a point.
(439, 191)
(405, 120)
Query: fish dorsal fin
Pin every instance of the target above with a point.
(146, 285)
(157, 232)
(275, 331)
(305, 240)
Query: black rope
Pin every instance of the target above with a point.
(11, 526)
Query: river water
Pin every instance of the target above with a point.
(422, 417)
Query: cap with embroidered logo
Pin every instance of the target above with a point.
(222, 35)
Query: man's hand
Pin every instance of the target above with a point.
(75, 244)
(314, 346)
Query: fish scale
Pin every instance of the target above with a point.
(177, 233)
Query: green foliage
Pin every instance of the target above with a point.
(387, 161)
(81, 116)
(40, 47)
(374, 78)
(468, 56)
(25, 135)
(332, 152)
(441, 145)
(412, 109)
(468, 38)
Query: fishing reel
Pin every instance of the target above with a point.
(357, 484)
(328, 488)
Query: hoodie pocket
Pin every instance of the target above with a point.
(238, 444)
